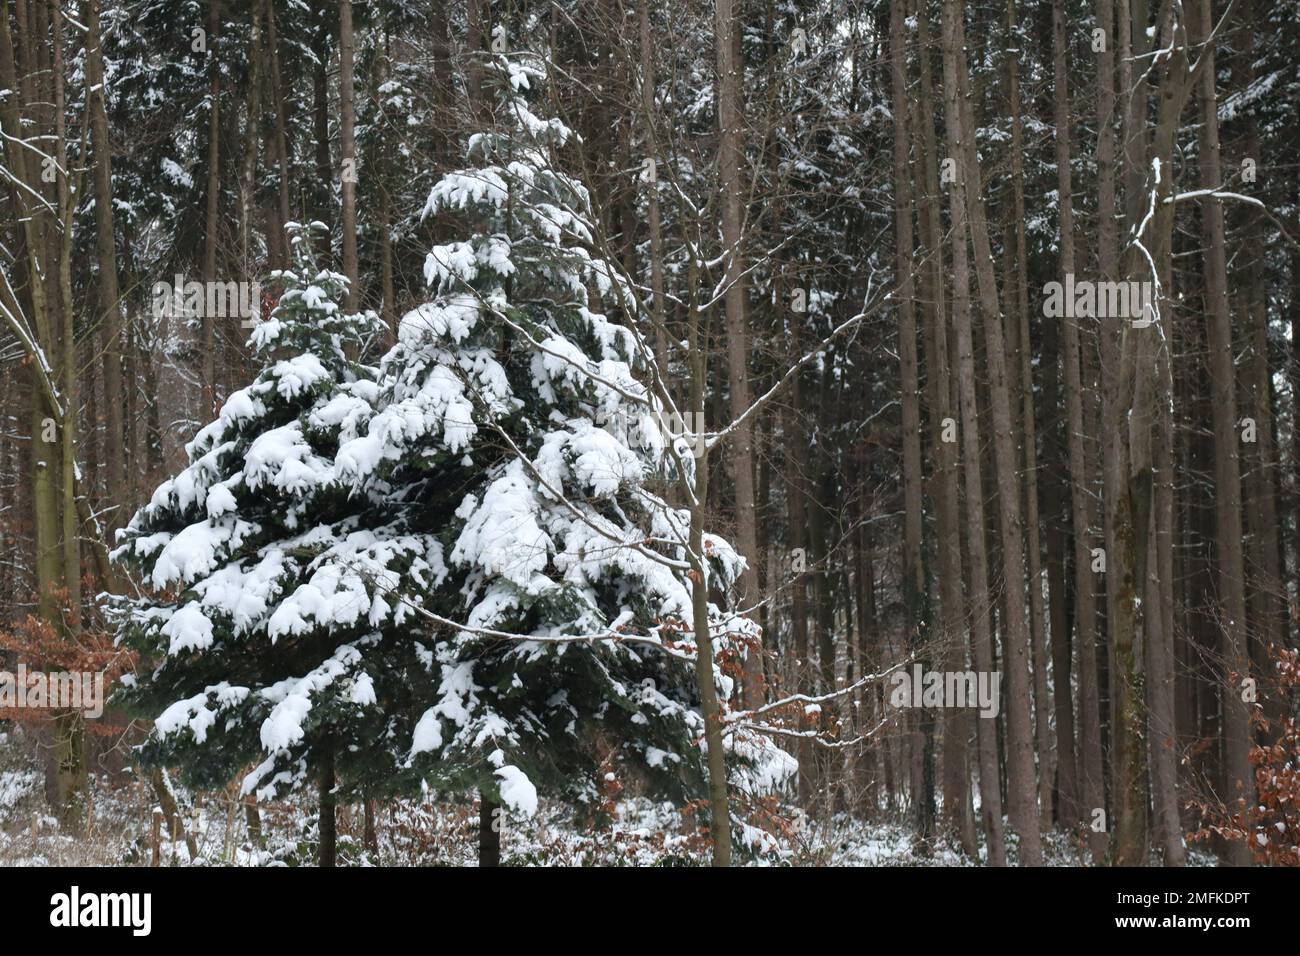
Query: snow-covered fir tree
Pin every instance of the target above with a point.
(266, 636)
(449, 572)
(561, 652)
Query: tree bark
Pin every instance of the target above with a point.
(730, 155)
(1091, 767)
(328, 806)
(658, 305)
(252, 139)
(489, 832)
(281, 143)
(1020, 748)
(1126, 355)
(914, 577)
(1029, 440)
(106, 254)
(347, 109)
(207, 329)
(1239, 785)
(980, 597)
(696, 492)
(323, 194)
(958, 812)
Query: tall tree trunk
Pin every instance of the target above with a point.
(868, 654)
(1029, 441)
(385, 172)
(914, 577)
(1239, 785)
(207, 329)
(323, 193)
(476, 40)
(980, 597)
(1091, 768)
(658, 306)
(1293, 315)
(347, 109)
(1163, 735)
(943, 406)
(1020, 747)
(696, 492)
(1092, 790)
(70, 726)
(281, 143)
(1269, 595)
(1056, 500)
(1127, 476)
(252, 140)
(106, 254)
(730, 155)
(797, 527)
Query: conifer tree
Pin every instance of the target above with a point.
(265, 632)
(456, 570)
(514, 428)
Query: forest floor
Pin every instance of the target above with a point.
(430, 832)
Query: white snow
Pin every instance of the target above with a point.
(517, 791)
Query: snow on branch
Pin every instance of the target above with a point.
(1222, 194)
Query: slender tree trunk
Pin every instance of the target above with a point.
(347, 94)
(1163, 737)
(941, 387)
(328, 807)
(719, 806)
(253, 820)
(1127, 479)
(1162, 734)
(697, 493)
(1020, 746)
(106, 253)
(1091, 769)
(162, 790)
(489, 831)
(207, 329)
(1238, 778)
(868, 655)
(476, 37)
(730, 156)
(658, 304)
(980, 597)
(323, 193)
(1029, 441)
(914, 578)
(1056, 499)
(369, 838)
(1293, 315)
(252, 139)
(798, 526)
(1092, 791)
(1268, 608)
(281, 144)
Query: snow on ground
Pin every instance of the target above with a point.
(440, 830)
